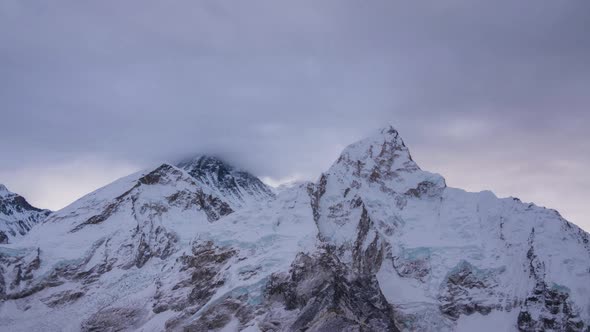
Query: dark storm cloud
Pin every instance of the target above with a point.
(487, 93)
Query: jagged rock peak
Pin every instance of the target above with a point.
(17, 216)
(4, 191)
(237, 185)
(379, 165)
(11, 203)
(385, 145)
(383, 159)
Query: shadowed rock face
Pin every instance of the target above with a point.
(199, 277)
(62, 298)
(220, 315)
(114, 319)
(547, 308)
(467, 290)
(17, 216)
(323, 296)
(20, 278)
(18, 270)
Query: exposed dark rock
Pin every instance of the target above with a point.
(201, 277)
(417, 267)
(144, 253)
(316, 192)
(18, 270)
(214, 207)
(99, 218)
(113, 319)
(552, 311)
(466, 291)
(159, 175)
(23, 269)
(425, 189)
(547, 308)
(367, 259)
(14, 203)
(62, 298)
(157, 242)
(219, 315)
(324, 298)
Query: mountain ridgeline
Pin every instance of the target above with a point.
(375, 244)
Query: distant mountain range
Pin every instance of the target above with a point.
(376, 244)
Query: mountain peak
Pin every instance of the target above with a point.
(384, 149)
(381, 144)
(4, 191)
(202, 166)
(381, 163)
(17, 216)
(237, 185)
(388, 130)
(388, 135)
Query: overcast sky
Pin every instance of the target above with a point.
(491, 94)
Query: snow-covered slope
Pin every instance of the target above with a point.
(239, 187)
(17, 216)
(376, 244)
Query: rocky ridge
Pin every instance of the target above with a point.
(376, 244)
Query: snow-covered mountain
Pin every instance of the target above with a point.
(17, 216)
(376, 244)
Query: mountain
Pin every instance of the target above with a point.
(445, 258)
(376, 244)
(237, 186)
(17, 216)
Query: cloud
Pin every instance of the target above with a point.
(477, 88)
